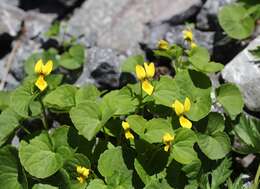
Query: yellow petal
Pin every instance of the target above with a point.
(140, 72)
(185, 122)
(129, 135)
(38, 66)
(80, 169)
(166, 147)
(150, 69)
(80, 179)
(125, 125)
(167, 138)
(193, 45)
(187, 35)
(162, 44)
(187, 104)
(85, 172)
(47, 68)
(147, 87)
(41, 83)
(179, 108)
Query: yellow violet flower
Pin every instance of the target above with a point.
(144, 74)
(193, 45)
(180, 110)
(164, 45)
(83, 173)
(126, 127)
(42, 70)
(167, 140)
(187, 35)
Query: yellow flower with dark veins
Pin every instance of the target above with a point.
(126, 127)
(167, 140)
(144, 74)
(164, 45)
(83, 173)
(187, 35)
(180, 110)
(42, 70)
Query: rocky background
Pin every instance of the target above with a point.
(112, 30)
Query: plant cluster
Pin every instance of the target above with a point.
(238, 19)
(161, 132)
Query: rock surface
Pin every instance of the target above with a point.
(120, 24)
(244, 71)
(101, 68)
(10, 19)
(207, 17)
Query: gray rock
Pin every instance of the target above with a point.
(37, 23)
(101, 68)
(68, 3)
(10, 19)
(11, 2)
(120, 24)
(207, 17)
(244, 71)
(16, 72)
(173, 34)
(205, 39)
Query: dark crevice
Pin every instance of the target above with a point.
(50, 6)
(5, 44)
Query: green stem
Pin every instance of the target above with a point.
(141, 96)
(26, 130)
(256, 180)
(44, 116)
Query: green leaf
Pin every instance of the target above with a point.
(9, 166)
(192, 170)
(192, 84)
(54, 80)
(54, 30)
(182, 148)
(238, 183)
(145, 177)
(8, 123)
(215, 146)
(40, 157)
(156, 184)
(96, 184)
(74, 58)
(156, 128)
(43, 186)
(235, 21)
(120, 180)
(229, 96)
(62, 98)
(215, 123)
(221, 173)
(200, 59)
(21, 99)
(248, 132)
(88, 118)
(86, 93)
(111, 161)
(4, 99)
(121, 102)
(137, 124)
(130, 63)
